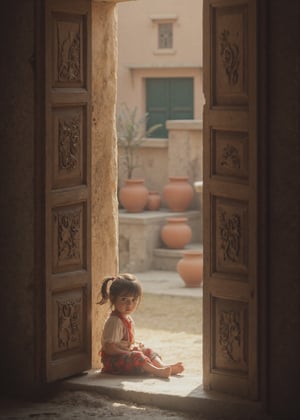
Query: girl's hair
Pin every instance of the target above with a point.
(121, 284)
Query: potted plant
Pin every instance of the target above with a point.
(131, 133)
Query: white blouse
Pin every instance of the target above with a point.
(115, 332)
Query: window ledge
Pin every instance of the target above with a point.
(155, 143)
(165, 66)
(166, 18)
(184, 124)
(165, 51)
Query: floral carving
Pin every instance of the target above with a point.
(68, 143)
(69, 235)
(230, 335)
(68, 61)
(230, 233)
(69, 318)
(230, 157)
(230, 55)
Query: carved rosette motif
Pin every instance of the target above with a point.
(230, 157)
(230, 335)
(69, 142)
(231, 338)
(68, 225)
(68, 52)
(230, 55)
(230, 234)
(69, 314)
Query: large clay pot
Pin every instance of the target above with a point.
(190, 268)
(176, 233)
(134, 195)
(178, 193)
(153, 202)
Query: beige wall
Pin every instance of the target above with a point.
(139, 58)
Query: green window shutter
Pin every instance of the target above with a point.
(157, 94)
(181, 99)
(168, 99)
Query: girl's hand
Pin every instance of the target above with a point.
(137, 346)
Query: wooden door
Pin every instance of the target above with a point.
(230, 197)
(67, 181)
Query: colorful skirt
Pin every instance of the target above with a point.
(127, 364)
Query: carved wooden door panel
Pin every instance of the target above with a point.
(67, 202)
(230, 197)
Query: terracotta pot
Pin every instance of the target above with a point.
(176, 233)
(134, 195)
(178, 193)
(190, 268)
(153, 202)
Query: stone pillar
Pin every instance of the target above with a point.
(104, 160)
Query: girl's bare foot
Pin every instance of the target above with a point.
(177, 368)
(164, 372)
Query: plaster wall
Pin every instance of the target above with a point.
(140, 58)
(137, 21)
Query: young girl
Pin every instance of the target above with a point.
(120, 353)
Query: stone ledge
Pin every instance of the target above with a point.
(167, 259)
(139, 235)
(147, 216)
(182, 393)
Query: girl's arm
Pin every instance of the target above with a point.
(113, 348)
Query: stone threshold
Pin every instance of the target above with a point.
(181, 393)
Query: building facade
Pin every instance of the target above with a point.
(160, 60)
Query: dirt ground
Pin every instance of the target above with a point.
(170, 325)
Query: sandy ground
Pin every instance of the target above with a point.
(81, 405)
(171, 326)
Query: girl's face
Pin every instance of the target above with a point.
(126, 304)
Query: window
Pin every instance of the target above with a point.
(168, 99)
(164, 30)
(165, 35)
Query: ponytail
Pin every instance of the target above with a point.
(104, 291)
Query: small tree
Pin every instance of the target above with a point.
(131, 132)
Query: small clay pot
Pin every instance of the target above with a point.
(134, 195)
(178, 193)
(153, 202)
(176, 233)
(190, 268)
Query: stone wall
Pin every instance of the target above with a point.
(104, 161)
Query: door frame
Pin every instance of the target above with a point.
(101, 248)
